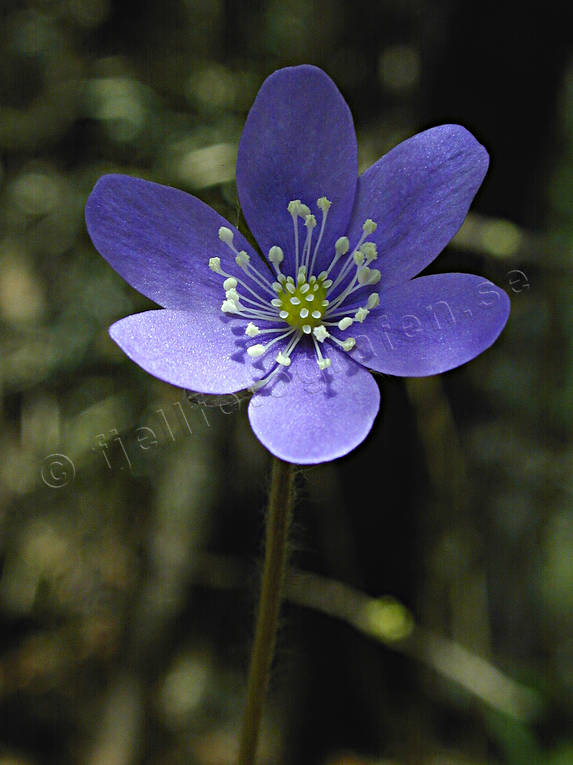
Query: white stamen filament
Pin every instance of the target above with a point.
(324, 204)
(301, 296)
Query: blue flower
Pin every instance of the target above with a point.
(333, 294)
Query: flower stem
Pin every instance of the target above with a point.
(278, 520)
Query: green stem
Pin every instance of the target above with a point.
(278, 520)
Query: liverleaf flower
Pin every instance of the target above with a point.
(334, 294)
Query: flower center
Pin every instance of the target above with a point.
(303, 304)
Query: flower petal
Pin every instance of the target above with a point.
(160, 239)
(200, 350)
(306, 416)
(298, 143)
(432, 324)
(418, 194)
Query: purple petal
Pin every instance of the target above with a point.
(307, 416)
(431, 324)
(419, 194)
(298, 143)
(160, 239)
(199, 350)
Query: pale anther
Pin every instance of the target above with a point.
(369, 251)
(358, 257)
(276, 255)
(215, 265)
(226, 235)
(321, 333)
(323, 204)
(373, 300)
(369, 226)
(242, 258)
(255, 351)
(345, 323)
(282, 359)
(361, 314)
(310, 221)
(230, 283)
(323, 363)
(252, 330)
(342, 245)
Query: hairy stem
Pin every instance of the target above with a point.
(278, 520)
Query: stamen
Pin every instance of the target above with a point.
(283, 355)
(322, 362)
(276, 257)
(358, 257)
(227, 306)
(252, 330)
(340, 248)
(226, 235)
(368, 227)
(293, 208)
(373, 300)
(310, 224)
(324, 206)
(215, 265)
(346, 345)
(321, 333)
(281, 358)
(369, 251)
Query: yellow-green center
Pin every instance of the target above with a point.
(303, 304)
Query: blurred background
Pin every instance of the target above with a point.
(430, 604)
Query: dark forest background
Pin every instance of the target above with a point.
(430, 605)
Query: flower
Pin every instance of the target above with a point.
(334, 295)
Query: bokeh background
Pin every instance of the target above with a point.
(430, 605)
